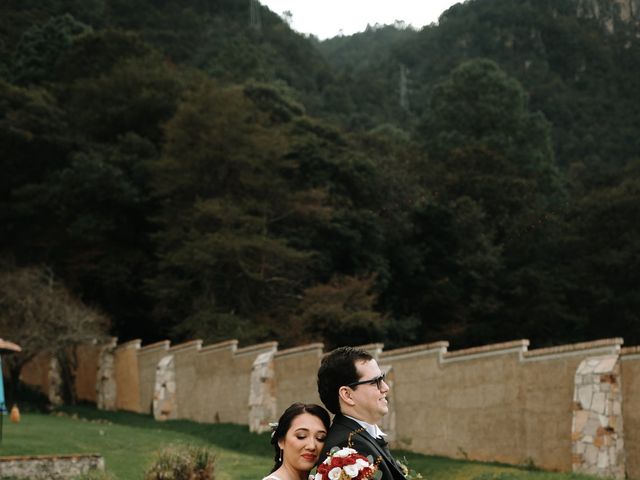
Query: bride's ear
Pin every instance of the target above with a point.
(345, 395)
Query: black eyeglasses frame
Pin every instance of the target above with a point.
(373, 381)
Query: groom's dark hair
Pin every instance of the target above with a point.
(337, 369)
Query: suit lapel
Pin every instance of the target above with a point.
(363, 434)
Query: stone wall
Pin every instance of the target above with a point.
(105, 381)
(630, 372)
(148, 358)
(500, 402)
(127, 377)
(87, 358)
(233, 393)
(597, 427)
(493, 403)
(36, 373)
(263, 392)
(50, 467)
(212, 383)
(296, 372)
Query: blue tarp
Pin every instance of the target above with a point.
(3, 407)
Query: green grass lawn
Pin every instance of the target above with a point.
(129, 441)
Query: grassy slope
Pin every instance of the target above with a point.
(128, 442)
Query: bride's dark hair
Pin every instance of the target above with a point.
(284, 423)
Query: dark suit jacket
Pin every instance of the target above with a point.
(363, 443)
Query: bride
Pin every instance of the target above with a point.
(298, 440)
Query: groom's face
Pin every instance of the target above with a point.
(370, 401)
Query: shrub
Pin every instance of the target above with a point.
(182, 463)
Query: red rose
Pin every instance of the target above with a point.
(349, 460)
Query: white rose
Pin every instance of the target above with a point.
(361, 463)
(334, 473)
(351, 470)
(318, 476)
(345, 452)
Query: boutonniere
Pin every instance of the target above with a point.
(408, 473)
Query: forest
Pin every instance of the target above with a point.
(192, 169)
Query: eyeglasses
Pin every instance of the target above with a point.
(374, 381)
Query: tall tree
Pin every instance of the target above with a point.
(603, 255)
(222, 181)
(41, 46)
(496, 153)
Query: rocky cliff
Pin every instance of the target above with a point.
(611, 13)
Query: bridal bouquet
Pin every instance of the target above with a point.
(345, 464)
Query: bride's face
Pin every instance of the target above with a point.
(302, 444)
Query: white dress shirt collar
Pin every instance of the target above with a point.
(371, 429)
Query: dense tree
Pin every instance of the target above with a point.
(404, 189)
(603, 255)
(222, 184)
(496, 154)
(78, 193)
(340, 312)
(42, 46)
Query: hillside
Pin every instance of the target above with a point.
(577, 60)
(219, 37)
(195, 169)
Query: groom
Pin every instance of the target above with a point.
(352, 387)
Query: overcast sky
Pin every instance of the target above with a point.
(326, 18)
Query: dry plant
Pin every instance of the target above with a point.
(38, 313)
(182, 463)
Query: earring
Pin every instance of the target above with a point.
(280, 458)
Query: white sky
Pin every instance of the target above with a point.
(325, 18)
